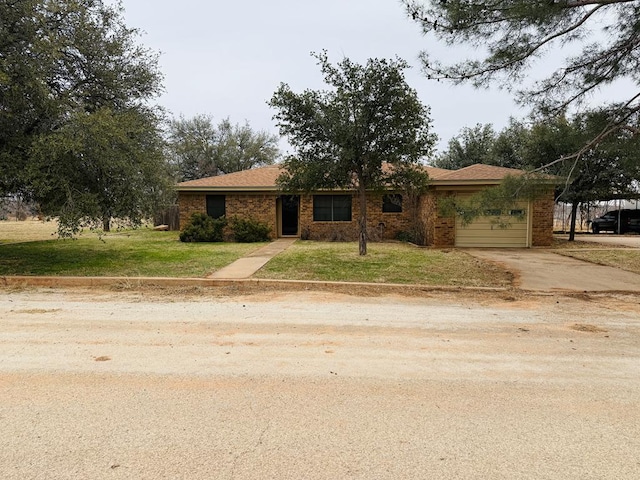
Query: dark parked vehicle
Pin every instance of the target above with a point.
(629, 221)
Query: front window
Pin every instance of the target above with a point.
(332, 208)
(216, 206)
(392, 203)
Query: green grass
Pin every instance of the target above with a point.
(384, 263)
(625, 259)
(132, 253)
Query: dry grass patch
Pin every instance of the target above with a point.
(27, 231)
(384, 263)
(565, 244)
(625, 259)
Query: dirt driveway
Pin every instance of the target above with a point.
(150, 385)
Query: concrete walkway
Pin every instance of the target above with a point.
(545, 270)
(246, 266)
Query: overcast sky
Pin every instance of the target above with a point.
(226, 58)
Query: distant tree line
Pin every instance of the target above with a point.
(197, 148)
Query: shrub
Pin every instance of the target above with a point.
(248, 230)
(405, 236)
(203, 228)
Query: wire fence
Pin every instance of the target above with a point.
(586, 213)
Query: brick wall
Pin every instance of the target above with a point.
(427, 214)
(382, 226)
(542, 221)
(441, 231)
(260, 207)
(190, 203)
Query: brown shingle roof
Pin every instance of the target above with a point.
(436, 173)
(480, 171)
(263, 177)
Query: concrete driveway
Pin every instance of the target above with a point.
(545, 270)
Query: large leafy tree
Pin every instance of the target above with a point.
(607, 169)
(364, 133)
(67, 67)
(471, 145)
(98, 166)
(517, 33)
(482, 144)
(198, 148)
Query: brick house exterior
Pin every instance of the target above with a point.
(253, 194)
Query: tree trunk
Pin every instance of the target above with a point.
(574, 214)
(106, 223)
(362, 221)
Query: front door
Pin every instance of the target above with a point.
(290, 207)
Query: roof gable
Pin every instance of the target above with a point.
(479, 171)
(436, 173)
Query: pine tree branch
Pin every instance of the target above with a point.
(441, 74)
(584, 3)
(613, 126)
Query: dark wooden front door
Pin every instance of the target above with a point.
(290, 215)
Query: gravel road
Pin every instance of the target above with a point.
(300, 385)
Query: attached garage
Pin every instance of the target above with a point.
(529, 223)
(509, 229)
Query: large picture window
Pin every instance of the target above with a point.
(332, 208)
(216, 206)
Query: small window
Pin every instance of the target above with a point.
(216, 206)
(332, 208)
(516, 212)
(392, 203)
(495, 212)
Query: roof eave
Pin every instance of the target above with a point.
(227, 189)
(480, 182)
(461, 183)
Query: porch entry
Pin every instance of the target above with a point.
(289, 215)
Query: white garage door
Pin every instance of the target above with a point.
(487, 231)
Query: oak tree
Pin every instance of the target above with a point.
(367, 127)
(68, 68)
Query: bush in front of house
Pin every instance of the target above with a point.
(203, 228)
(248, 230)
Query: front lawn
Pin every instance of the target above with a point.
(132, 253)
(384, 263)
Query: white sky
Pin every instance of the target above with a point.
(226, 58)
